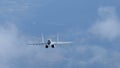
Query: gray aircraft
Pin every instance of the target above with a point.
(51, 43)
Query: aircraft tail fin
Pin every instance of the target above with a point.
(42, 37)
(57, 37)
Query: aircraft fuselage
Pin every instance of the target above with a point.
(49, 42)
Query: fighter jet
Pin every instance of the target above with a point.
(51, 43)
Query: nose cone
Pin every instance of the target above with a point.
(49, 42)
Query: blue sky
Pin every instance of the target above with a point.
(93, 26)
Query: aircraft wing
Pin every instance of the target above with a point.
(61, 43)
(37, 44)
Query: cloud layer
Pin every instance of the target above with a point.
(14, 53)
(107, 26)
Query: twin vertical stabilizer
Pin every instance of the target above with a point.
(42, 38)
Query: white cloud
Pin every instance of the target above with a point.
(13, 50)
(8, 40)
(14, 53)
(90, 55)
(96, 54)
(108, 25)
